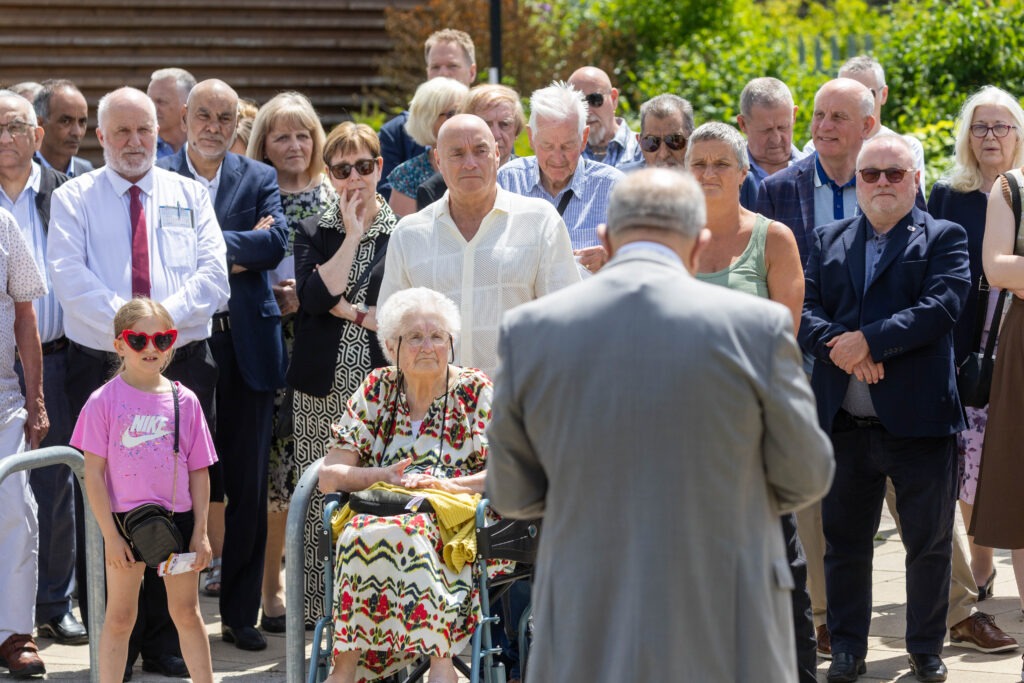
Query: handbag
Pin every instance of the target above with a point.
(974, 376)
(384, 503)
(150, 528)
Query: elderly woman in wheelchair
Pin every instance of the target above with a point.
(404, 582)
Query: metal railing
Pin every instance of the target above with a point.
(295, 577)
(96, 587)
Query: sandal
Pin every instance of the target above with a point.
(211, 584)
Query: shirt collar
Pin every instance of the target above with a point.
(646, 245)
(32, 183)
(821, 178)
(215, 182)
(122, 185)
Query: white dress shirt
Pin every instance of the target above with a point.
(520, 253)
(90, 253)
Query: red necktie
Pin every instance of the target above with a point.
(140, 244)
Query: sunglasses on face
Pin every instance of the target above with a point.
(893, 175)
(1000, 130)
(363, 166)
(651, 143)
(138, 340)
(595, 100)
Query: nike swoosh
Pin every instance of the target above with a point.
(131, 441)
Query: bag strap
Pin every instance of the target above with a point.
(174, 486)
(564, 202)
(1013, 183)
(993, 333)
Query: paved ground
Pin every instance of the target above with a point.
(887, 659)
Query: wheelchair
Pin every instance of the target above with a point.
(513, 540)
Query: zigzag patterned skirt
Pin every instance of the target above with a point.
(396, 598)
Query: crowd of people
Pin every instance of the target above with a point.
(350, 294)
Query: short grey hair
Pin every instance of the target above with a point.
(183, 80)
(30, 113)
(432, 98)
(658, 199)
(862, 63)
(49, 87)
(27, 89)
(885, 137)
(104, 106)
(558, 102)
(765, 92)
(393, 314)
(721, 132)
(665, 105)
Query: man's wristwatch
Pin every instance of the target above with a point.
(361, 311)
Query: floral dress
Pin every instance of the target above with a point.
(409, 175)
(396, 598)
(281, 470)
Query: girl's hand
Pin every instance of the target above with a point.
(395, 473)
(200, 545)
(118, 553)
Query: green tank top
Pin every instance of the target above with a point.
(749, 273)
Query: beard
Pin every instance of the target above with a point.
(131, 166)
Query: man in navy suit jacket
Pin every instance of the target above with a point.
(246, 342)
(883, 291)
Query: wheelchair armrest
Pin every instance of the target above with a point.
(332, 501)
(506, 539)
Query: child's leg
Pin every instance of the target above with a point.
(122, 606)
(183, 604)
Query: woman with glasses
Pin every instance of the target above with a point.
(990, 146)
(747, 251)
(418, 424)
(435, 102)
(339, 264)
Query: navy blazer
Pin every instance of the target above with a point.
(968, 209)
(248, 191)
(788, 197)
(906, 314)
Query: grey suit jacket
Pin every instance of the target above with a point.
(660, 425)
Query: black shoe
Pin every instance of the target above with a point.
(845, 668)
(928, 667)
(244, 637)
(65, 629)
(166, 665)
(273, 624)
(127, 673)
(985, 589)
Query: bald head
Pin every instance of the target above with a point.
(211, 115)
(467, 157)
(597, 87)
(841, 121)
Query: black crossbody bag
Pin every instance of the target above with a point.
(150, 528)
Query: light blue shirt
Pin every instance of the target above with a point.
(623, 148)
(591, 187)
(760, 174)
(49, 317)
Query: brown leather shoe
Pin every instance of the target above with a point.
(824, 642)
(21, 656)
(979, 631)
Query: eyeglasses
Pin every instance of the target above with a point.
(138, 340)
(448, 114)
(893, 175)
(363, 166)
(1000, 130)
(15, 128)
(595, 100)
(651, 143)
(420, 339)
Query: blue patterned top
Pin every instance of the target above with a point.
(408, 175)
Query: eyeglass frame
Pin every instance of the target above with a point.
(887, 172)
(6, 128)
(352, 167)
(992, 129)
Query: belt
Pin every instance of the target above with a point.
(221, 322)
(54, 346)
(846, 422)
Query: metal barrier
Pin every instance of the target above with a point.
(65, 455)
(295, 577)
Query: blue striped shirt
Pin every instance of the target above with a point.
(591, 187)
(49, 316)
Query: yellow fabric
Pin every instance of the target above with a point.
(455, 514)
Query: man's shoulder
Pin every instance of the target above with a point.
(174, 161)
(518, 165)
(790, 174)
(831, 231)
(600, 174)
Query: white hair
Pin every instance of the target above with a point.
(657, 199)
(393, 314)
(965, 176)
(558, 102)
(183, 80)
(30, 113)
(104, 105)
(765, 92)
(862, 63)
(721, 132)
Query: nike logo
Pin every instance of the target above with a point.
(133, 440)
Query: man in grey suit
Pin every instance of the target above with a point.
(661, 479)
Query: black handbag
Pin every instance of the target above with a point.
(974, 376)
(150, 528)
(384, 503)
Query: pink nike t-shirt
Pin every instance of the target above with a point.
(134, 431)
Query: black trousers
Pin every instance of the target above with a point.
(88, 369)
(244, 421)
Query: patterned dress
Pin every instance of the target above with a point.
(410, 174)
(397, 599)
(314, 415)
(281, 471)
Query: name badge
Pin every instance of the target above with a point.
(175, 217)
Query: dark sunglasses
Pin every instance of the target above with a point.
(138, 340)
(651, 143)
(363, 166)
(595, 99)
(893, 175)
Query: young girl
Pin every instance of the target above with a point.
(127, 432)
